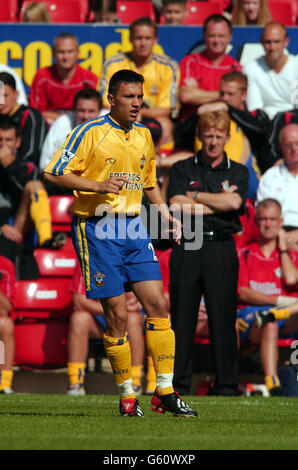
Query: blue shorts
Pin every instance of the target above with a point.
(246, 318)
(113, 251)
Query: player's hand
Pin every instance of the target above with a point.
(11, 233)
(175, 230)
(112, 185)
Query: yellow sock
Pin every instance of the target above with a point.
(6, 377)
(76, 372)
(271, 381)
(280, 313)
(40, 213)
(136, 373)
(160, 340)
(150, 376)
(118, 353)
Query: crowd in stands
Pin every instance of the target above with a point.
(263, 138)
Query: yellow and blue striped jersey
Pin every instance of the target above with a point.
(100, 149)
(161, 75)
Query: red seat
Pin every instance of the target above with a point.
(56, 263)
(61, 212)
(293, 3)
(129, 10)
(61, 11)
(283, 12)
(41, 316)
(198, 12)
(9, 11)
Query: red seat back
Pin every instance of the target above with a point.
(283, 11)
(9, 11)
(129, 10)
(61, 11)
(60, 207)
(198, 12)
(56, 263)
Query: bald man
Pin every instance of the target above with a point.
(281, 182)
(269, 91)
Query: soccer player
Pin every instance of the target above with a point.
(109, 162)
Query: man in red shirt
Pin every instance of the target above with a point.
(268, 290)
(53, 88)
(7, 344)
(201, 72)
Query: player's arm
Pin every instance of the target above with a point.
(192, 95)
(188, 205)
(5, 304)
(154, 113)
(221, 202)
(78, 183)
(288, 268)
(252, 297)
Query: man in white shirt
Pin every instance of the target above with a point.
(22, 97)
(281, 182)
(271, 76)
(87, 106)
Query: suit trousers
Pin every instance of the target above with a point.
(211, 271)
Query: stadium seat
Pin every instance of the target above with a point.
(198, 12)
(56, 263)
(129, 10)
(9, 11)
(61, 11)
(61, 212)
(293, 3)
(41, 314)
(283, 12)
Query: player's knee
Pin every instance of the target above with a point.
(270, 330)
(79, 322)
(4, 312)
(6, 326)
(157, 307)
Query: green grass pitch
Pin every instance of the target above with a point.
(60, 422)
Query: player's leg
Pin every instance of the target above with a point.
(160, 341)
(82, 327)
(7, 339)
(118, 352)
(267, 337)
(135, 330)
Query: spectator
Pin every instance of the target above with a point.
(270, 76)
(281, 120)
(87, 105)
(22, 196)
(281, 183)
(160, 73)
(88, 322)
(174, 11)
(251, 12)
(210, 181)
(36, 12)
(267, 290)
(105, 11)
(22, 96)
(250, 131)
(7, 343)
(32, 124)
(201, 72)
(53, 88)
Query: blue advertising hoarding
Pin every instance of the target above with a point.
(26, 47)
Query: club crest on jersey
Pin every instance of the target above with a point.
(278, 272)
(110, 161)
(194, 184)
(225, 185)
(99, 278)
(67, 155)
(143, 160)
(154, 90)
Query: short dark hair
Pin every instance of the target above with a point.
(88, 94)
(64, 36)
(143, 21)
(216, 18)
(267, 203)
(106, 6)
(173, 2)
(236, 76)
(6, 123)
(8, 79)
(123, 76)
